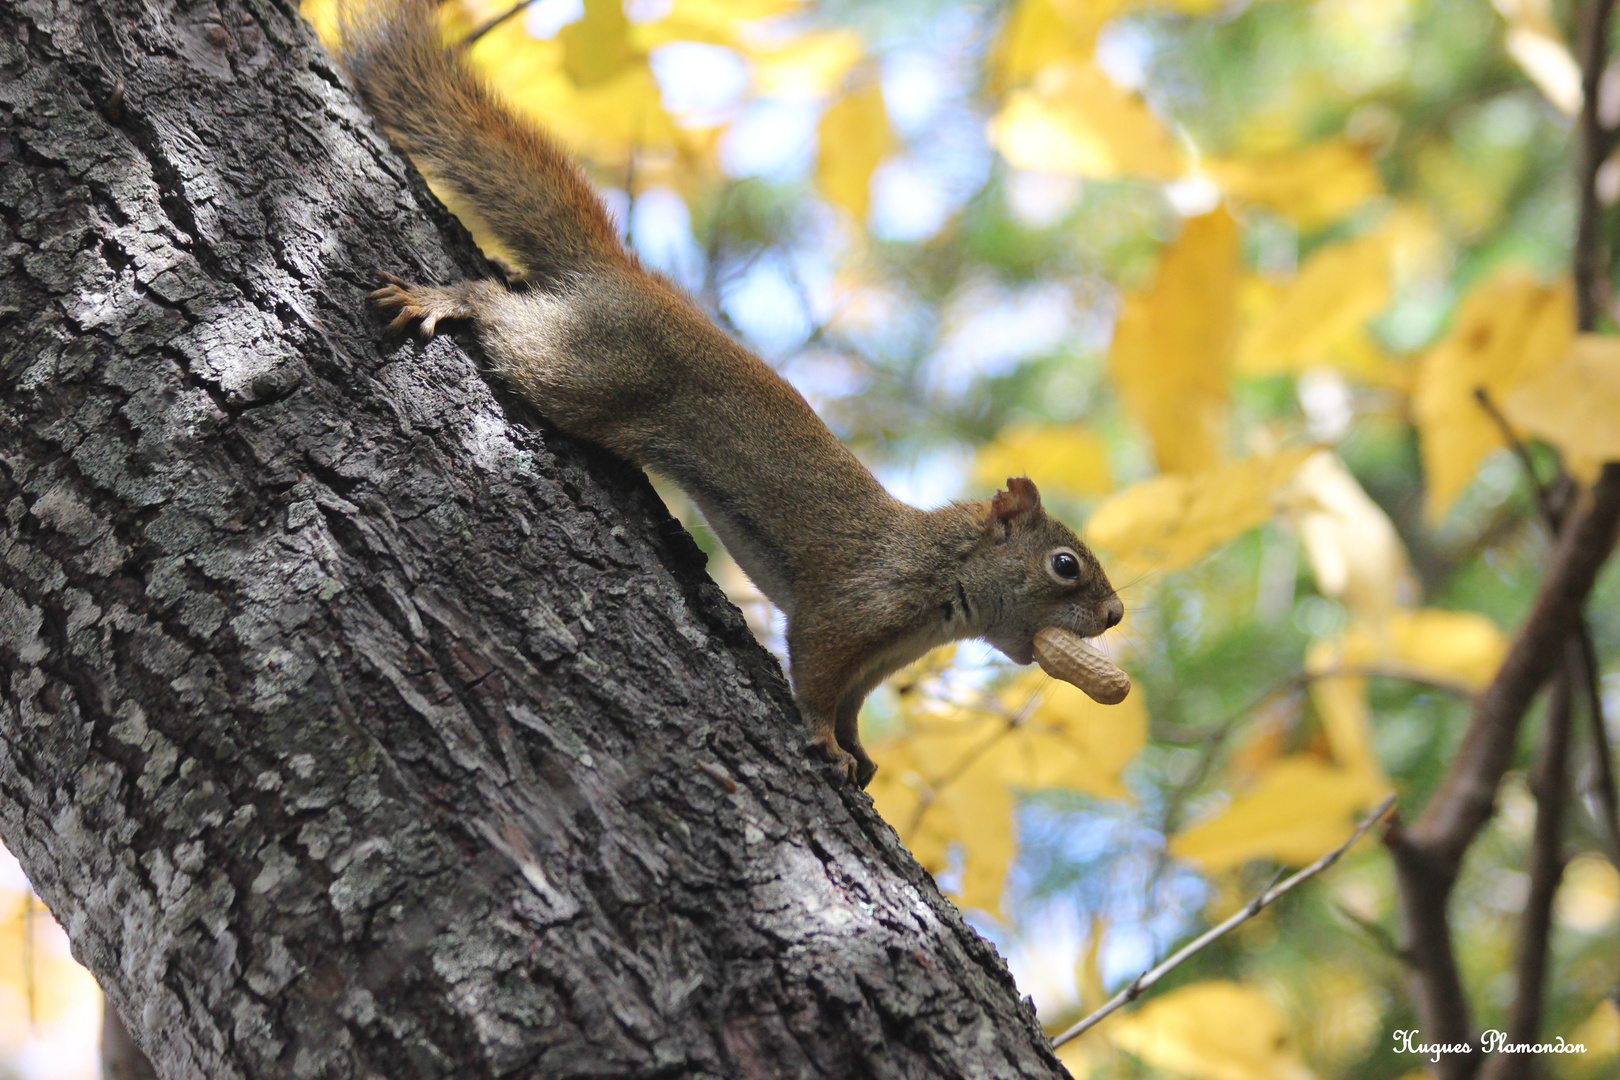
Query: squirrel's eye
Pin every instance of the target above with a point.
(1063, 565)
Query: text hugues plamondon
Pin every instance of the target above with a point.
(1490, 1042)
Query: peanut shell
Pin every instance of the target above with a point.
(1064, 655)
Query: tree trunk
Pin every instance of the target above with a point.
(352, 723)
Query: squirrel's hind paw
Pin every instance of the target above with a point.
(845, 761)
(419, 302)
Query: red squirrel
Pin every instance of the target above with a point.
(617, 354)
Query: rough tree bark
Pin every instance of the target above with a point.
(352, 723)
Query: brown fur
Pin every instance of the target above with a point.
(617, 355)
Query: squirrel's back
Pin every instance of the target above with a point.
(496, 171)
(611, 353)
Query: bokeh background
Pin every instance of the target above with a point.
(1223, 278)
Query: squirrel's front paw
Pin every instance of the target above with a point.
(828, 745)
(425, 302)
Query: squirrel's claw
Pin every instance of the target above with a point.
(827, 745)
(865, 769)
(426, 303)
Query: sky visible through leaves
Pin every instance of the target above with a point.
(1223, 278)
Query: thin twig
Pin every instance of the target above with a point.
(472, 39)
(1213, 736)
(1544, 503)
(630, 196)
(1146, 980)
(1608, 805)
(1381, 937)
(1203, 733)
(1014, 719)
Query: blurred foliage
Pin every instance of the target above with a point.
(1223, 277)
(50, 1007)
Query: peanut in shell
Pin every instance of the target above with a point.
(1065, 655)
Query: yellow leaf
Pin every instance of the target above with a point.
(1458, 647)
(1354, 551)
(597, 47)
(1338, 288)
(1589, 898)
(322, 15)
(931, 665)
(1068, 740)
(902, 797)
(1341, 703)
(1532, 14)
(1547, 60)
(1077, 121)
(978, 813)
(521, 66)
(932, 788)
(1299, 810)
(1214, 1030)
(601, 122)
(1345, 1011)
(1537, 46)
(1066, 458)
(42, 970)
(1172, 345)
(1600, 1034)
(727, 12)
(1088, 977)
(851, 140)
(716, 22)
(1042, 33)
(1170, 521)
(1265, 741)
(1507, 330)
(1361, 358)
(1574, 404)
(1461, 644)
(947, 780)
(808, 66)
(1311, 186)
(1418, 248)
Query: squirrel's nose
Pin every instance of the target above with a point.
(1114, 611)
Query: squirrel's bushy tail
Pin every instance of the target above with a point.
(487, 162)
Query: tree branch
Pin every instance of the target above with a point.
(1466, 796)
(1601, 788)
(490, 24)
(1429, 853)
(1550, 784)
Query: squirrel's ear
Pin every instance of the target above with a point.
(1019, 498)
